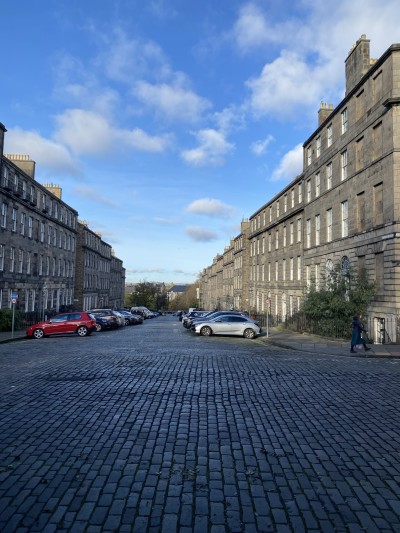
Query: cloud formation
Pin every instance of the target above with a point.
(50, 156)
(260, 147)
(212, 208)
(290, 166)
(212, 150)
(198, 234)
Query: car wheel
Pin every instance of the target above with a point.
(98, 327)
(127, 322)
(38, 334)
(249, 333)
(206, 331)
(82, 331)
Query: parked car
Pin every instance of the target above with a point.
(120, 317)
(214, 314)
(146, 313)
(106, 314)
(191, 315)
(130, 318)
(81, 323)
(228, 325)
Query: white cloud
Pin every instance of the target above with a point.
(291, 165)
(212, 208)
(92, 194)
(198, 234)
(212, 149)
(252, 29)
(261, 147)
(88, 132)
(50, 156)
(284, 84)
(172, 100)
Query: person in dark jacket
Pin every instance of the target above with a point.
(356, 336)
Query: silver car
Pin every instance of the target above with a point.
(228, 325)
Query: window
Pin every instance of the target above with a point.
(360, 153)
(308, 233)
(308, 190)
(285, 203)
(284, 270)
(13, 219)
(1, 256)
(317, 184)
(309, 156)
(318, 145)
(328, 176)
(360, 105)
(299, 230)
(270, 213)
(317, 229)
(343, 163)
(5, 178)
(298, 267)
(329, 225)
(291, 268)
(276, 271)
(284, 235)
(329, 135)
(276, 239)
(292, 198)
(360, 211)
(20, 260)
(344, 116)
(22, 223)
(345, 218)
(291, 233)
(3, 215)
(28, 262)
(300, 193)
(317, 276)
(377, 87)
(377, 141)
(269, 241)
(30, 227)
(12, 259)
(277, 209)
(42, 231)
(378, 204)
(308, 276)
(269, 271)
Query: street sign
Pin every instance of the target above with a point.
(13, 300)
(14, 297)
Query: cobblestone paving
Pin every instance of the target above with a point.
(150, 429)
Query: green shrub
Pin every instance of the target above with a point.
(6, 320)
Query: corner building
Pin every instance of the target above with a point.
(344, 207)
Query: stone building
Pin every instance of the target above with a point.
(93, 269)
(117, 282)
(344, 207)
(42, 244)
(37, 239)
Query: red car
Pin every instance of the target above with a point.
(75, 322)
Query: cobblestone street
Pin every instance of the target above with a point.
(151, 429)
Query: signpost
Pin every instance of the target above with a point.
(13, 298)
(267, 301)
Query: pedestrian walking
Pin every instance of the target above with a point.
(356, 336)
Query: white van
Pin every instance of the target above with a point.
(142, 310)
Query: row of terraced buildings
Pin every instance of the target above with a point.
(49, 260)
(343, 209)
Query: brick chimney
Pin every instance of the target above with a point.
(24, 162)
(324, 111)
(358, 62)
(54, 189)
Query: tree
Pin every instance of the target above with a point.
(150, 295)
(342, 295)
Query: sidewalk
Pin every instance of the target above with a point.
(292, 341)
(323, 345)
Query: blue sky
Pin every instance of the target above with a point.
(166, 122)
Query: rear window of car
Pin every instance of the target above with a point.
(75, 316)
